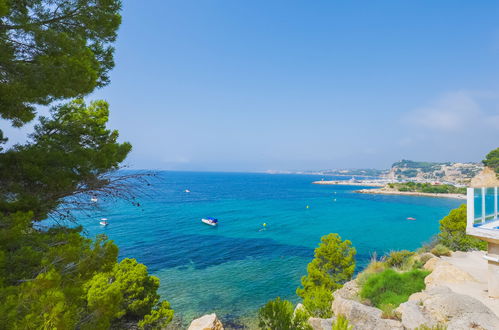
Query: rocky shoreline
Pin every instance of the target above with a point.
(384, 191)
(455, 297)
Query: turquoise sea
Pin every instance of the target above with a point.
(236, 267)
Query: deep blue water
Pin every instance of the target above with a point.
(234, 268)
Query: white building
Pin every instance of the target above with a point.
(483, 221)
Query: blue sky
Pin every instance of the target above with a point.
(257, 85)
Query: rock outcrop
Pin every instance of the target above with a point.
(206, 322)
(360, 315)
(438, 304)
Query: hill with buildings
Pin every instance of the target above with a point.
(453, 173)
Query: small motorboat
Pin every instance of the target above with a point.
(94, 199)
(410, 218)
(103, 222)
(210, 221)
(187, 191)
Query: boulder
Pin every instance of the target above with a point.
(430, 264)
(458, 311)
(444, 272)
(320, 324)
(360, 315)
(206, 322)
(412, 315)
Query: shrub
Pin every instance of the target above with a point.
(278, 314)
(332, 266)
(318, 302)
(399, 259)
(453, 232)
(388, 312)
(390, 287)
(373, 268)
(492, 160)
(159, 317)
(341, 323)
(440, 250)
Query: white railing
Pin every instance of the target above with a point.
(482, 210)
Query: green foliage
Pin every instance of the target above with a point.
(399, 258)
(53, 50)
(388, 311)
(77, 148)
(391, 287)
(453, 232)
(332, 266)
(341, 323)
(441, 250)
(59, 279)
(428, 188)
(318, 302)
(374, 267)
(492, 160)
(159, 317)
(278, 314)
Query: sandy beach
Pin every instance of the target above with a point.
(409, 193)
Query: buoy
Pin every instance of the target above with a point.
(264, 224)
(308, 206)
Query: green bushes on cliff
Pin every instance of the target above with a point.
(332, 266)
(278, 314)
(391, 287)
(492, 160)
(453, 232)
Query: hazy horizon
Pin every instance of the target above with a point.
(256, 86)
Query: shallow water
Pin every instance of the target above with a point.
(236, 267)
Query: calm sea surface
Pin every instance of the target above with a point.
(236, 267)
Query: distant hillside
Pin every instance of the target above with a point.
(352, 172)
(457, 173)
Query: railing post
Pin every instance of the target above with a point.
(483, 204)
(470, 207)
(495, 203)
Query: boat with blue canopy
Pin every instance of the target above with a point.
(210, 221)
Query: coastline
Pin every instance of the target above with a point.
(350, 183)
(409, 193)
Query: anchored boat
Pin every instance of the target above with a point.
(210, 221)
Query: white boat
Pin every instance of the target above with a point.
(187, 191)
(104, 222)
(94, 199)
(210, 221)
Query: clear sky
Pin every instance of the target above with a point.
(289, 85)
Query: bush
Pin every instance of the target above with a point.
(373, 268)
(492, 160)
(453, 232)
(390, 287)
(440, 250)
(278, 314)
(388, 312)
(399, 259)
(332, 266)
(341, 323)
(318, 302)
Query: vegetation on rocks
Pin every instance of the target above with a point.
(427, 188)
(391, 287)
(341, 323)
(453, 232)
(278, 314)
(492, 160)
(332, 266)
